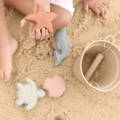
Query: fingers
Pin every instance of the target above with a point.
(85, 8)
(33, 34)
(43, 33)
(23, 22)
(99, 8)
(97, 11)
(40, 34)
(103, 10)
(100, 11)
(47, 35)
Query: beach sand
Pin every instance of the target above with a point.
(33, 60)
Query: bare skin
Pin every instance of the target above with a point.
(28, 6)
(99, 7)
(8, 47)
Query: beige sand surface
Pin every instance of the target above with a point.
(36, 60)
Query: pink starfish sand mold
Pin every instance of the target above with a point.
(41, 19)
(55, 86)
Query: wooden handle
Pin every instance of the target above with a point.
(94, 66)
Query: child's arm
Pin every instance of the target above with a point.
(99, 7)
(4, 34)
(44, 3)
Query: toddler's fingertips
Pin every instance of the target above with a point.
(104, 8)
(98, 13)
(43, 33)
(33, 35)
(86, 8)
(104, 3)
(102, 12)
(47, 34)
(38, 34)
(22, 23)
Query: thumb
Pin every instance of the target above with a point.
(86, 8)
(23, 22)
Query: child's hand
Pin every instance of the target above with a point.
(99, 7)
(38, 34)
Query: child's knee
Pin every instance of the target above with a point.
(7, 2)
(65, 20)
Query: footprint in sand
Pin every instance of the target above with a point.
(60, 117)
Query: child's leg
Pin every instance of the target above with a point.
(26, 6)
(63, 19)
(63, 45)
(8, 47)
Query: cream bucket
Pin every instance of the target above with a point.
(110, 77)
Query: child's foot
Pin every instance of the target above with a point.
(99, 7)
(6, 54)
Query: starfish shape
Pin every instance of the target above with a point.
(41, 19)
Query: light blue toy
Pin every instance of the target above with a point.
(63, 46)
(28, 94)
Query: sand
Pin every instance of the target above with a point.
(36, 61)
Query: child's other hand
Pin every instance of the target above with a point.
(99, 7)
(38, 34)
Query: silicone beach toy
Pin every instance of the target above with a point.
(28, 93)
(41, 19)
(63, 46)
(55, 86)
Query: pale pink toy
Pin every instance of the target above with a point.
(28, 94)
(55, 86)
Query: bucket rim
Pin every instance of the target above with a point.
(81, 60)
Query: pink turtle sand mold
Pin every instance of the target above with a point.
(55, 86)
